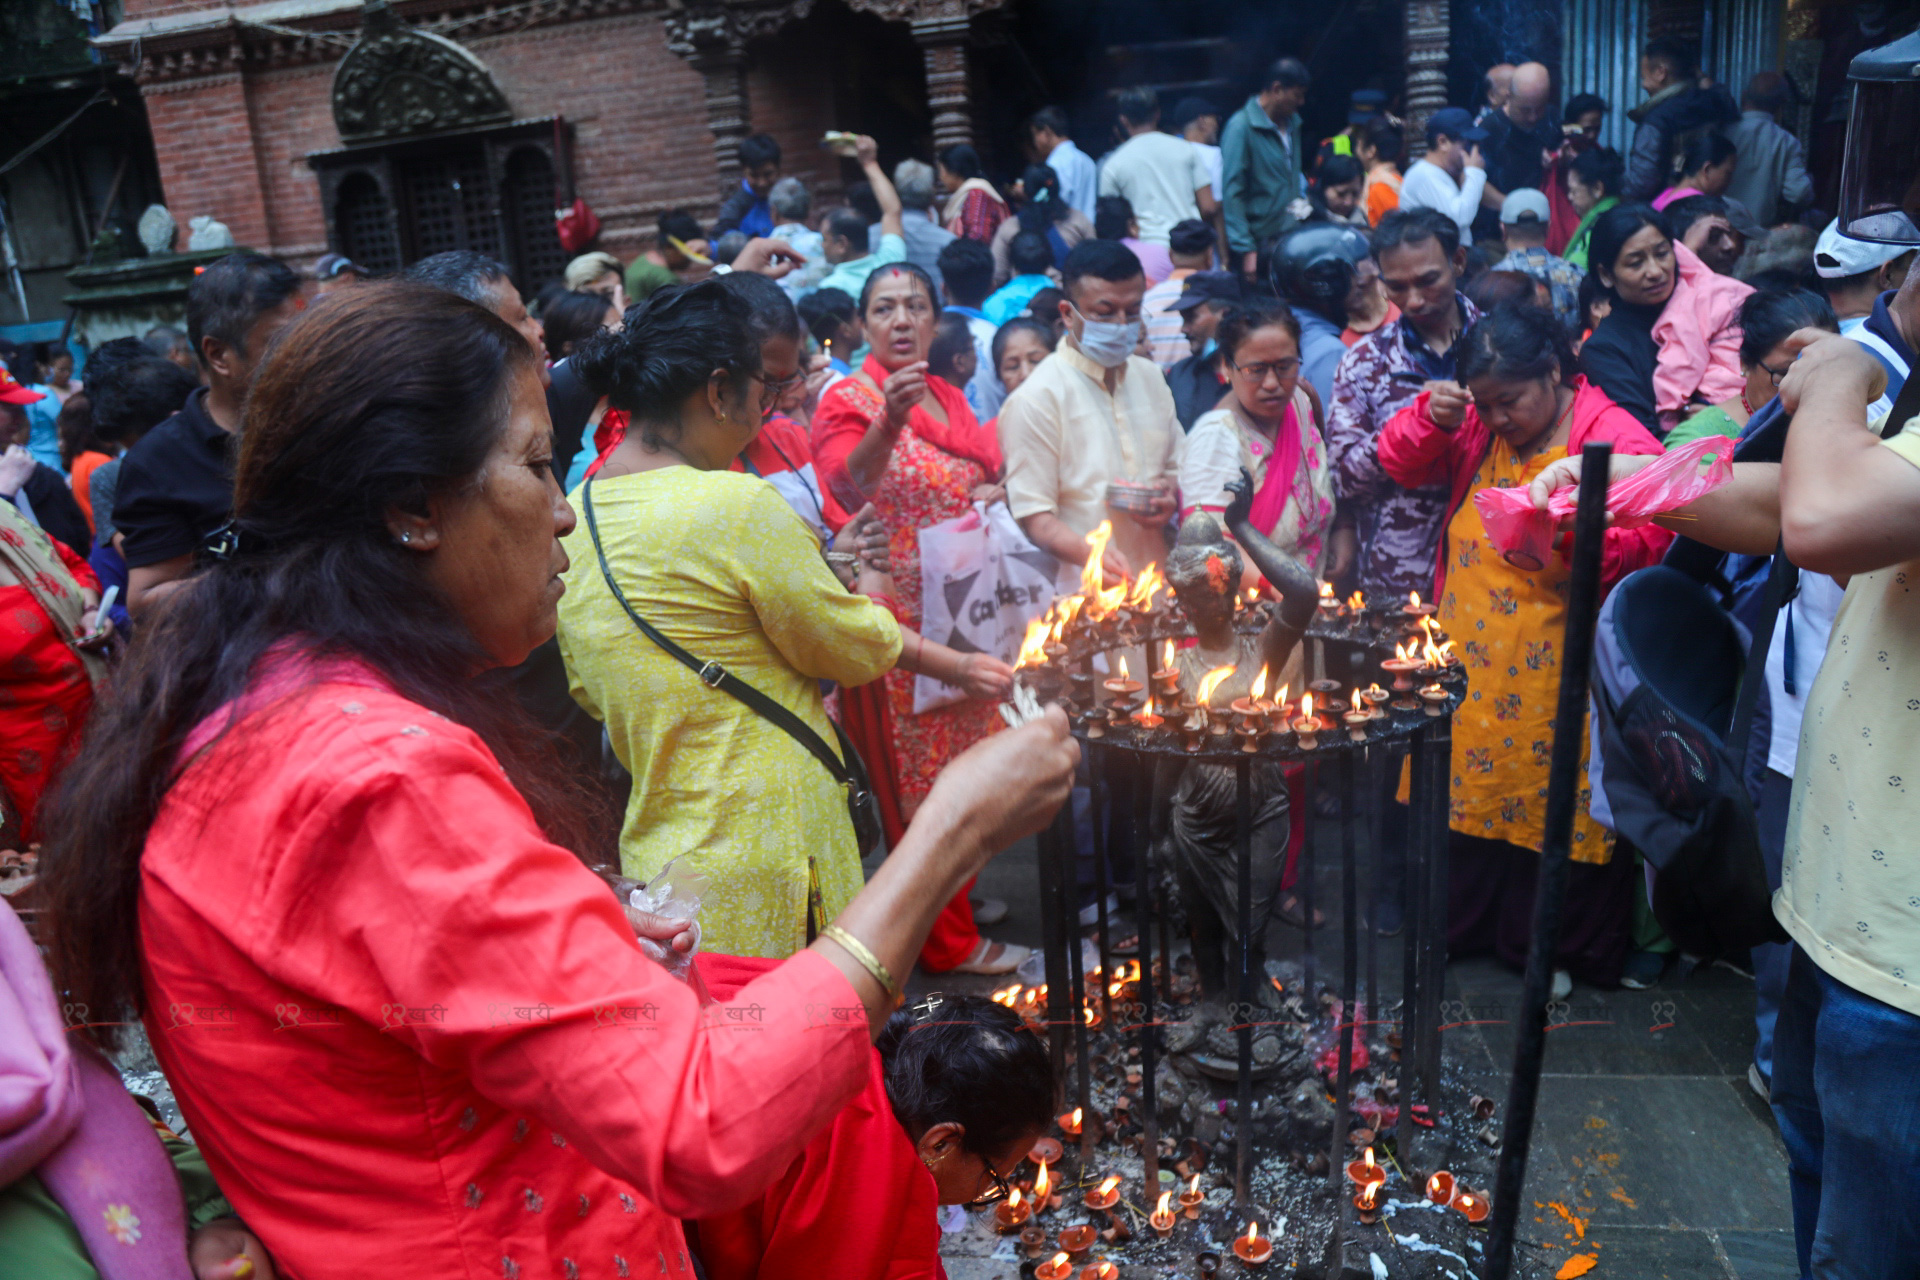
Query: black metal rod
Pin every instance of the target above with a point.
(1370, 784)
(1053, 846)
(1102, 851)
(1303, 886)
(1149, 1034)
(1077, 1004)
(1349, 979)
(1243, 1105)
(1412, 938)
(1439, 787)
(1563, 793)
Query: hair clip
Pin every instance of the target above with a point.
(925, 1009)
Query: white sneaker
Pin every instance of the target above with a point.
(1090, 914)
(994, 958)
(988, 911)
(1562, 985)
(1758, 1083)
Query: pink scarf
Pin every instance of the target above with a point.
(65, 1116)
(1271, 502)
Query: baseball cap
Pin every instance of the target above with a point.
(1208, 286)
(11, 392)
(1524, 204)
(1191, 108)
(1454, 122)
(1364, 104)
(329, 265)
(1836, 255)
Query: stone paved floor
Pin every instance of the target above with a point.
(1647, 1128)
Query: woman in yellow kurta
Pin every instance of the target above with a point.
(721, 565)
(1520, 409)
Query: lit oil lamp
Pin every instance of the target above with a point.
(1104, 1196)
(1251, 1248)
(1058, 1267)
(1356, 604)
(1045, 1151)
(1401, 667)
(1279, 714)
(1122, 688)
(1361, 1172)
(1376, 701)
(1367, 1203)
(1193, 730)
(1192, 1198)
(1414, 608)
(1166, 681)
(1077, 1240)
(1255, 705)
(1217, 718)
(1307, 728)
(1474, 1207)
(1357, 719)
(1162, 1218)
(1145, 720)
(1101, 1270)
(1091, 1015)
(1329, 603)
(1440, 1188)
(1070, 1122)
(1435, 698)
(1012, 1213)
(1043, 1193)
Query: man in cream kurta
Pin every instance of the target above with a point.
(1093, 415)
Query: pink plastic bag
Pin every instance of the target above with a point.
(1525, 534)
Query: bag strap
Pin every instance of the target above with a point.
(1905, 406)
(712, 674)
(1780, 580)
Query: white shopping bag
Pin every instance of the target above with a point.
(981, 582)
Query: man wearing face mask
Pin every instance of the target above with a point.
(1091, 435)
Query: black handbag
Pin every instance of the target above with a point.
(863, 807)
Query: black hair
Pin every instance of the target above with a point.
(1612, 230)
(952, 336)
(1191, 108)
(824, 310)
(770, 312)
(548, 294)
(851, 225)
(1676, 54)
(1388, 140)
(1515, 342)
(1138, 106)
(1242, 320)
(1052, 119)
(962, 161)
(681, 226)
(1022, 324)
(1415, 226)
(1112, 217)
(1492, 289)
(1288, 73)
(1103, 260)
(1684, 212)
(74, 429)
(1708, 147)
(1044, 307)
(1591, 291)
(1768, 319)
(1041, 205)
(966, 269)
(973, 1063)
(1029, 253)
(1190, 239)
(332, 445)
(1580, 104)
(229, 295)
(671, 346)
(133, 396)
(570, 320)
(728, 246)
(116, 353)
(1769, 91)
(861, 200)
(757, 149)
(913, 269)
(163, 341)
(1336, 170)
(1600, 167)
(462, 272)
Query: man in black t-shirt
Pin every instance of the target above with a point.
(1520, 137)
(176, 485)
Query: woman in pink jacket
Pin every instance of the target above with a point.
(1521, 408)
(1671, 342)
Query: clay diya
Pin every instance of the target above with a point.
(1366, 1170)
(1012, 1213)
(1058, 1267)
(1104, 1196)
(1367, 1203)
(1251, 1248)
(1162, 1218)
(1192, 1198)
(1475, 1208)
(1077, 1240)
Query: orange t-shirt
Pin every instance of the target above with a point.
(83, 469)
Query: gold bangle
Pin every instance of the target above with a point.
(866, 960)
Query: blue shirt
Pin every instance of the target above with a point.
(758, 219)
(1011, 298)
(43, 440)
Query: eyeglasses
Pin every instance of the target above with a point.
(1001, 1190)
(1776, 374)
(774, 388)
(1283, 369)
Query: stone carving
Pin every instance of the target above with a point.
(398, 81)
(158, 230)
(207, 232)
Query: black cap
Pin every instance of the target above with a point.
(1364, 105)
(1454, 122)
(1191, 108)
(1208, 286)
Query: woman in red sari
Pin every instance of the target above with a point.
(313, 845)
(898, 437)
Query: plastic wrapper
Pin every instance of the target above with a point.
(1524, 534)
(674, 894)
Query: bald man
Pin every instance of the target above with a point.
(1496, 85)
(1521, 137)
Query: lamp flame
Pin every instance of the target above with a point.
(1059, 1261)
(1426, 625)
(1033, 647)
(1149, 707)
(1076, 1119)
(1368, 1194)
(1161, 1210)
(1371, 1166)
(1413, 597)
(1400, 653)
(1042, 1186)
(1306, 705)
(1326, 591)
(1211, 681)
(1149, 582)
(1280, 699)
(1166, 659)
(1090, 578)
(1013, 1199)
(1259, 684)
(1109, 1183)
(1253, 1232)
(1123, 666)
(1193, 1188)
(1356, 707)
(1357, 601)
(1445, 651)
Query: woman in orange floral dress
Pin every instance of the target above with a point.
(900, 438)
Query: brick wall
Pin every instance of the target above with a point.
(203, 139)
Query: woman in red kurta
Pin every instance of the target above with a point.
(1519, 412)
(958, 1092)
(904, 440)
(409, 1029)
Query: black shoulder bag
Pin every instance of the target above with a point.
(863, 808)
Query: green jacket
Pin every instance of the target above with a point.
(1261, 176)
